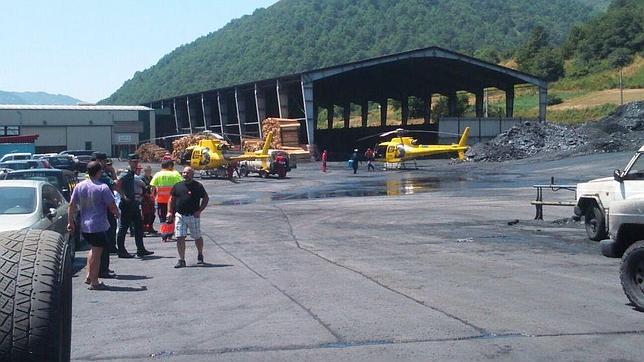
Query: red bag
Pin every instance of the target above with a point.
(166, 229)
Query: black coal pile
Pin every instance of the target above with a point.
(623, 130)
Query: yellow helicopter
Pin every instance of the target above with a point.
(209, 156)
(400, 149)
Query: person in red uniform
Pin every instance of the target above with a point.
(280, 165)
(324, 158)
(369, 156)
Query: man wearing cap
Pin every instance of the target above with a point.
(108, 179)
(130, 210)
(355, 160)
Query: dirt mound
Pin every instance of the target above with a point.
(622, 130)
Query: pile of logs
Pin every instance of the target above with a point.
(286, 132)
(149, 152)
(180, 144)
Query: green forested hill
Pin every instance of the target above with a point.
(297, 35)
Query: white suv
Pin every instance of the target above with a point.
(595, 198)
(16, 156)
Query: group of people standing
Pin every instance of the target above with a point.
(354, 160)
(103, 199)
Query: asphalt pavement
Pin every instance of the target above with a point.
(440, 263)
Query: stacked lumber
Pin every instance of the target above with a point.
(252, 144)
(285, 131)
(149, 152)
(180, 144)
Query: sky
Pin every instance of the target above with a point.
(87, 48)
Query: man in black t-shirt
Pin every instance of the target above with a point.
(188, 199)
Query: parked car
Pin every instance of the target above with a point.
(63, 180)
(28, 204)
(15, 156)
(82, 157)
(63, 162)
(23, 164)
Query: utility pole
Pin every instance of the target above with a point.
(621, 86)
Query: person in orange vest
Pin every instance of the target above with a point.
(162, 183)
(324, 158)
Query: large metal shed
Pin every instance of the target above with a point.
(239, 109)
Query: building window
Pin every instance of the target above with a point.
(10, 131)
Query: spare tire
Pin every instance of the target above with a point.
(631, 274)
(36, 297)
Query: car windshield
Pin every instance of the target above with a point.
(35, 175)
(17, 200)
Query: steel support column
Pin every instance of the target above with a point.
(240, 106)
(282, 99)
(479, 102)
(509, 101)
(330, 110)
(346, 114)
(188, 110)
(309, 109)
(451, 103)
(176, 118)
(223, 111)
(364, 107)
(203, 112)
(260, 107)
(543, 103)
(383, 112)
(404, 110)
(427, 108)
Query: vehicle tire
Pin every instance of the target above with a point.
(607, 248)
(631, 274)
(595, 223)
(36, 296)
(263, 174)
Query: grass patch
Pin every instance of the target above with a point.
(578, 116)
(606, 79)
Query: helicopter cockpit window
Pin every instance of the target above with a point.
(401, 151)
(205, 156)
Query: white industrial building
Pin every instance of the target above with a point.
(115, 130)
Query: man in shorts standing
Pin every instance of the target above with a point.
(94, 198)
(188, 199)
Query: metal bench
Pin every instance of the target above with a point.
(539, 203)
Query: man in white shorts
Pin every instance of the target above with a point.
(188, 199)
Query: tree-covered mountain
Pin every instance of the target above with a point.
(296, 35)
(36, 98)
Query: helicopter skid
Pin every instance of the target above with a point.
(400, 165)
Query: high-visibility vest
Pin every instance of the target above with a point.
(163, 182)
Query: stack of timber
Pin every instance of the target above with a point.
(180, 144)
(286, 136)
(149, 152)
(252, 144)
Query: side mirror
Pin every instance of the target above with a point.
(617, 175)
(52, 213)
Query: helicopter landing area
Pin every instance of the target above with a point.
(440, 263)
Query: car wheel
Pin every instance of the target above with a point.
(631, 274)
(36, 303)
(595, 223)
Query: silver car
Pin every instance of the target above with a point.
(27, 204)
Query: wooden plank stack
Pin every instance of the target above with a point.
(149, 152)
(286, 132)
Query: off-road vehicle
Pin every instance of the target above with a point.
(596, 197)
